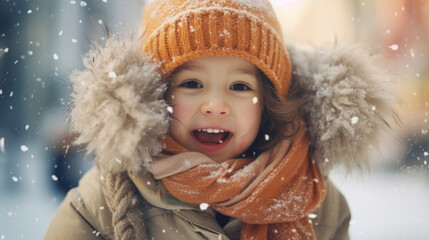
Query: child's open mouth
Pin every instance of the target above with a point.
(211, 136)
(211, 139)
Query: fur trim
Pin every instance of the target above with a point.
(118, 106)
(346, 102)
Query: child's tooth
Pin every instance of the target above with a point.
(204, 130)
(209, 130)
(216, 130)
(221, 131)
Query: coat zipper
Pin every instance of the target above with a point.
(201, 226)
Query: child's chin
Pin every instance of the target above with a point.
(219, 159)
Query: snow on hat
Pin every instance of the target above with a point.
(176, 31)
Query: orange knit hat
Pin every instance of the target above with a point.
(176, 31)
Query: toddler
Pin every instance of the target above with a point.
(206, 127)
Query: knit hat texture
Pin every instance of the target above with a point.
(176, 31)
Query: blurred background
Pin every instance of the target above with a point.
(42, 42)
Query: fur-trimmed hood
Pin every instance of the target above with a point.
(118, 108)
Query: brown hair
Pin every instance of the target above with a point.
(279, 115)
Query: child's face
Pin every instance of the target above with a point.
(216, 107)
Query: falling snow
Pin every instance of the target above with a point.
(2, 144)
(267, 137)
(83, 4)
(112, 75)
(15, 179)
(27, 127)
(170, 109)
(24, 148)
(55, 178)
(255, 100)
(60, 33)
(412, 53)
(55, 56)
(394, 47)
(204, 206)
(354, 120)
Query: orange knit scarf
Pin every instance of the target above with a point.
(272, 194)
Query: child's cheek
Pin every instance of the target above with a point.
(249, 115)
(182, 110)
(250, 111)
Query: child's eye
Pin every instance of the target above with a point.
(240, 87)
(191, 84)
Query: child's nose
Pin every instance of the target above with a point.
(215, 106)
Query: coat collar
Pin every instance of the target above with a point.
(154, 193)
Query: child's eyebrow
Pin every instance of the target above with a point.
(190, 68)
(245, 71)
